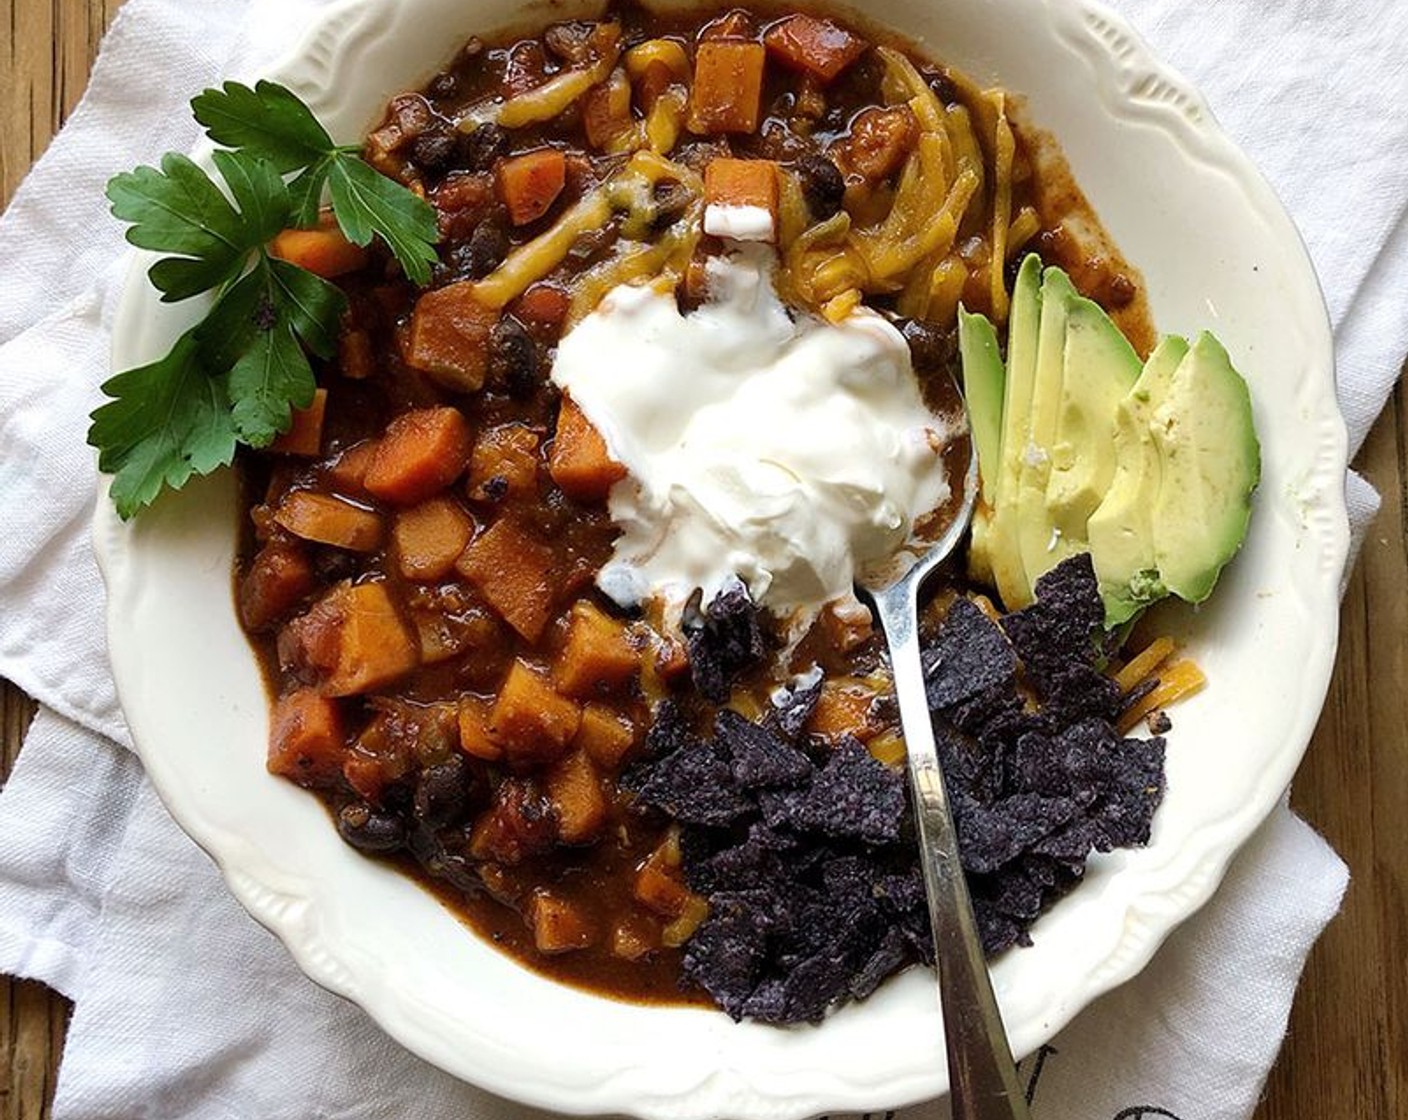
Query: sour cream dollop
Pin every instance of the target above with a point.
(796, 454)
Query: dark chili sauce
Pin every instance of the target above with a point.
(466, 646)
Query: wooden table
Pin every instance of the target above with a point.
(1347, 1055)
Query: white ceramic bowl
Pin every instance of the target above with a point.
(1216, 249)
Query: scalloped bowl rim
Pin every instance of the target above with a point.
(689, 1063)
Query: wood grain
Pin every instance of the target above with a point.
(1345, 1054)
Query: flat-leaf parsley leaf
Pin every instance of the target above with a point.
(236, 376)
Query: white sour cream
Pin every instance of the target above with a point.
(797, 455)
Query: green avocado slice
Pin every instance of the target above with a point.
(1001, 551)
(1121, 530)
(1210, 464)
(983, 381)
(1101, 368)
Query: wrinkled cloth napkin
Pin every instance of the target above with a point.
(184, 1006)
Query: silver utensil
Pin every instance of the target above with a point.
(982, 1076)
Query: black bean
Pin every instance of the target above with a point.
(442, 793)
(513, 358)
(823, 186)
(479, 149)
(444, 85)
(368, 830)
(435, 147)
(481, 254)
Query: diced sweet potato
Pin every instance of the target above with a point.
(598, 657)
(579, 462)
(429, 538)
(277, 581)
(749, 185)
(449, 336)
(844, 709)
(355, 358)
(530, 720)
(324, 251)
(351, 641)
(328, 520)
(559, 926)
(511, 570)
(504, 463)
(728, 86)
(813, 46)
(574, 788)
(474, 730)
(348, 472)
(879, 142)
(632, 938)
(306, 738)
(606, 737)
(421, 454)
(660, 889)
(529, 184)
(735, 24)
(305, 434)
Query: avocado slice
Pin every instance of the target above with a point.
(1101, 367)
(1121, 530)
(983, 380)
(1042, 544)
(1209, 462)
(1000, 551)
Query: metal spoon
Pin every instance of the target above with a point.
(982, 1076)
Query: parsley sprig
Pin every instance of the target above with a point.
(236, 375)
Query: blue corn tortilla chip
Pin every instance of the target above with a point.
(854, 796)
(794, 704)
(724, 642)
(728, 951)
(1062, 627)
(761, 759)
(694, 785)
(989, 837)
(970, 657)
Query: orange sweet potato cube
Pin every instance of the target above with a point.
(660, 890)
(474, 730)
(598, 657)
(529, 184)
(429, 538)
(559, 926)
(511, 570)
(606, 737)
(732, 184)
(579, 462)
(844, 709)
(508, 452)
(305, 434)
(352, 640)
(530, 720)
(449, 336)
(574, 788)
(728, 86)
(324, 251)
(306, 738)
(813, 46)
(421, 454)
(325, 519)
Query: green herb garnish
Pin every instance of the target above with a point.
(236, 376)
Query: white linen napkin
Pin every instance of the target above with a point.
(187, 1008)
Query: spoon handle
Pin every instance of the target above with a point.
(982, 1076)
